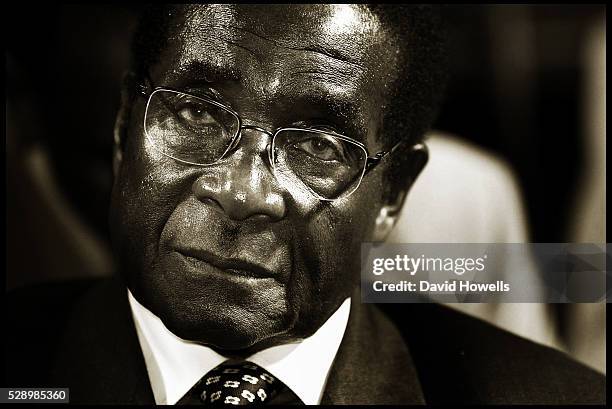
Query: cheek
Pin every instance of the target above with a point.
(147, 189)
(350, 221)
(346, 226)
(329, 249)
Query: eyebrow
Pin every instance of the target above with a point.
(202, 71)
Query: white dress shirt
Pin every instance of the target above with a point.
(175, 365)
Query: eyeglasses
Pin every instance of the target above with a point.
(199, 131)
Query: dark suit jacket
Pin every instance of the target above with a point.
(81, 335)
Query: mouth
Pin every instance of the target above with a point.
(236, 267)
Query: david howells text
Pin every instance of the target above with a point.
(457, 286)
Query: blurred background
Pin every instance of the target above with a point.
(525, 110)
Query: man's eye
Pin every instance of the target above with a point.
(194, 113)
(323, 148)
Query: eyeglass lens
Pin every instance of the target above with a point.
(189, 128)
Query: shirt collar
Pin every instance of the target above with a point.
(174, 365)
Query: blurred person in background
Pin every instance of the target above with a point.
(585, 330)
(42, 220)
(467, 195)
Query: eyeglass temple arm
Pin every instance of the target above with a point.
(143, 89)
(373, 161)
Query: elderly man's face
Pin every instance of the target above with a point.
(228, 255)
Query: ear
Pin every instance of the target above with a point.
(390, 211)
(122, 122)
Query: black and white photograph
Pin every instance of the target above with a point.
(305, 204)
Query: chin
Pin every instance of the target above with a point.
(215, 309)
(228, 327)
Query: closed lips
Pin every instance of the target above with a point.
(232, 266)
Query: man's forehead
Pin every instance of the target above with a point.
(333, 26)
(347, 36)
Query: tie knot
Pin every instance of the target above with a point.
(235, 383)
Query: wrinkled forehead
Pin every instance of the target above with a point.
(347, 39)
(295, 25)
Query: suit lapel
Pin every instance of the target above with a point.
(100, 357)
(373, 364)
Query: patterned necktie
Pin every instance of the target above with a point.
(239, 383)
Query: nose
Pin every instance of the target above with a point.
(243, 186)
